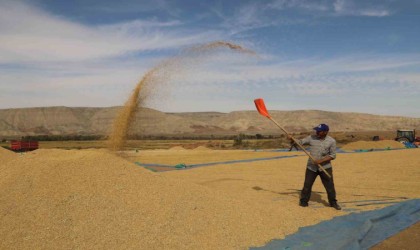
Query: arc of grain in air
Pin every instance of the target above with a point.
(124, 118)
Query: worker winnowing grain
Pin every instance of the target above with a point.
(322, 149)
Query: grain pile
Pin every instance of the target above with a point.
(367, 145)
(177, 148)
(93, 199)
(189, 157)
(201, 148)
(52, 199)
(7, 155)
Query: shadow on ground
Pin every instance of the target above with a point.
(315, 196)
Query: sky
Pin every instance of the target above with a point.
(332, 55)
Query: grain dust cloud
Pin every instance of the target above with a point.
(160, 74)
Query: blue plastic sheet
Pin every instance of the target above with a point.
(354, 231)
(217, 163)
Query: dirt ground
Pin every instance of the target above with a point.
(92, 199)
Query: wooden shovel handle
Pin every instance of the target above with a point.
(300, 146)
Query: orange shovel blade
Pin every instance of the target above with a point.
(259, 104)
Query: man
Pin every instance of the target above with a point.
(322, 149)
(293, 145)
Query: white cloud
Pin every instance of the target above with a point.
(333, 7)
(299, 4)
(29, 34)
(352, 8)
(257, 15)
(209, 82)
(127, 6)
(333, 86)
(245, 17)
(365, 63)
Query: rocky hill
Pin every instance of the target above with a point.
(98, 121)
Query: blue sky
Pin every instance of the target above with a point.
(334, 55)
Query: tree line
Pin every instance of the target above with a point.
(238, 138)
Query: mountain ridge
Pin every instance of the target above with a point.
(62, 120)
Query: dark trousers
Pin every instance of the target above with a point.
(328, 183)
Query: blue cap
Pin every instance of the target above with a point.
(322, 127)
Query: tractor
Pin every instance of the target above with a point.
(407, 136)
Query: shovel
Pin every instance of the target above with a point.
(259, 104)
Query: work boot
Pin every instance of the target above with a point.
(303, 204)
(336, 206)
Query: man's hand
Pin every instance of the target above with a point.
(316, 162)
(325, 159)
